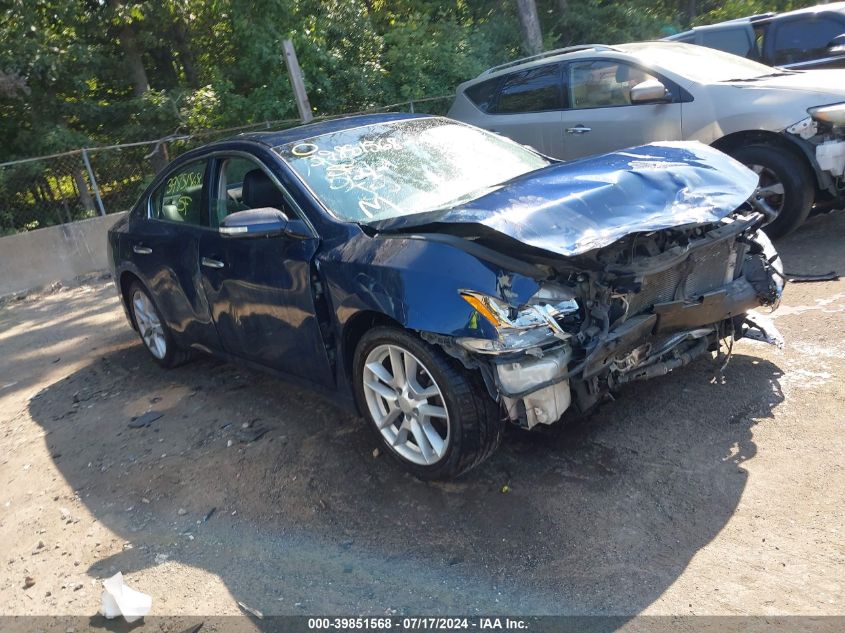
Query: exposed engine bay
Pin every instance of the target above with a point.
(638, 308)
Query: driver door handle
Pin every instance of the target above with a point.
(212, 263)
(142, 250)
(578, 129)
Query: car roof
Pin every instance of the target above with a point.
(310, 130)
(719, 25)
(565, 54)
(833, 7)
(764, 18)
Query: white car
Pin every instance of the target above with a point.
(788, 126)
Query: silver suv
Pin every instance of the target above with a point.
(788, 126)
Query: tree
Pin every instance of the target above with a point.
(532, 36)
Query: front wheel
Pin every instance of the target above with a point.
(432, 415)
(786, 185)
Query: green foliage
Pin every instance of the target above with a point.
(87, 73)
(587, 21)
(91, 72)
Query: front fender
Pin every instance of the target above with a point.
(416, 283)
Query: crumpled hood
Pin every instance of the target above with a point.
(575, 207)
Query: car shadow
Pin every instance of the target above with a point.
(283, 497)
(807, 250)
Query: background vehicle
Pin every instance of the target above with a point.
(592, 99)
(813, 37)
(439, 277)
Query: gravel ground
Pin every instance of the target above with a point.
(691, 494)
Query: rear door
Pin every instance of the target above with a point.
(260, 288)
(527, 108)
(601, 117)
(163, 243)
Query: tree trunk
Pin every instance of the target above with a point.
(186, 57)
(159, 158)
(82, 188)
(691, 11)
(131, 53)
(532, 36)
(134, 62)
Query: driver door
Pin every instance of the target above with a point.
(601, 117)
(259, 288)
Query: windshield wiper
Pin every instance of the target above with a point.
(779, 73)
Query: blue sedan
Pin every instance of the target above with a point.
(441, 280)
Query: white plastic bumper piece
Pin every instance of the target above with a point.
(831, 157)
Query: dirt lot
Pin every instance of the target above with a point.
(689, 494)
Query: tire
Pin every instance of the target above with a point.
(472, 428)
(152, 329)
(798, 188)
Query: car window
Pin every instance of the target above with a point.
(179, 198)
(600, 84)
(534, 90)
(483, 95)
(733, 40)
(802, 40)
(397, 168)
(242, 185)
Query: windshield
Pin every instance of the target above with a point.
(398, 168)
(701, 64)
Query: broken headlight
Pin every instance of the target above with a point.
(531, 325)
(832, 114)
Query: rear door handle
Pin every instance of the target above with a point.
(142, 250)
(578, 129)
(212, 263)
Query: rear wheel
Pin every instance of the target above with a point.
(153, 330)
(786, 185)
(432, 415)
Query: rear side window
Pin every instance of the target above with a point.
(179, 197)
(737, 41)
(535, 90)
(483, 95)
(802, 40)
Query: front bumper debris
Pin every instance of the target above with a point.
(831, 157)
(535, 390)
(678, 305)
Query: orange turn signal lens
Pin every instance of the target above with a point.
(482, 308)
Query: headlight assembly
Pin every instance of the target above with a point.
(832, 114)
(521, 328)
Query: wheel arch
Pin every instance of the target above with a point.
(125, 281)
(794, 146)
(355, 328)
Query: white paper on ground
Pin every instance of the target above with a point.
(120, 599)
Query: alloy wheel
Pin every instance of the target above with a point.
(406, 404)
(149, 325)
(770, 190)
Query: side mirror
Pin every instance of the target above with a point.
(649, 91)
(837, 45)
(263, 222)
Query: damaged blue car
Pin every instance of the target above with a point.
(441, 280)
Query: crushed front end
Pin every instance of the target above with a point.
(638, 308)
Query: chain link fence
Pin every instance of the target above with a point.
(84, 183)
